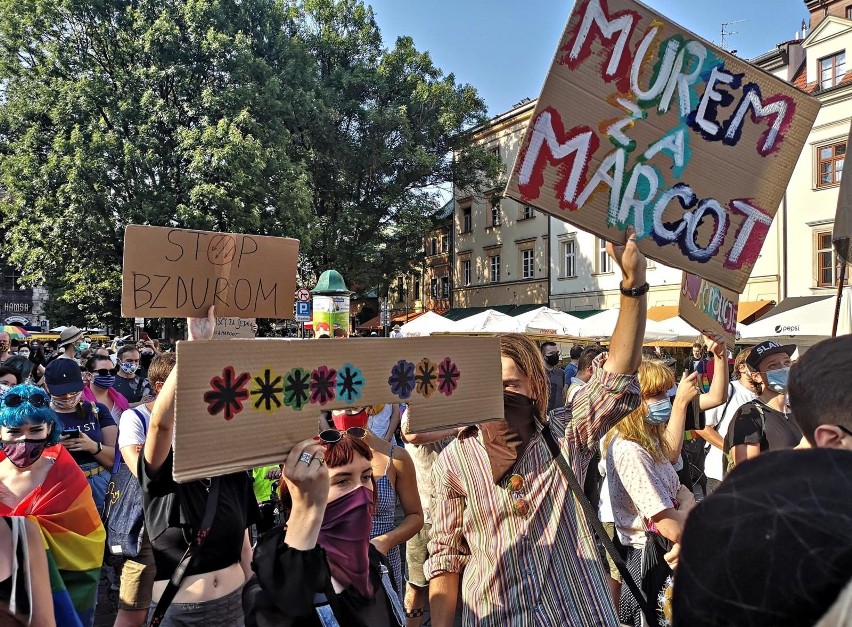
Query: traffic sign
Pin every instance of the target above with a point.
(303, 295)
(303, 311)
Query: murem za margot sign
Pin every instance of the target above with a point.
(642, 123)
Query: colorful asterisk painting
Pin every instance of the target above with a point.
(267, 390)
(227, 394)
(297, 387)
(448, 377)
(349, 383)
(323, 384)
(401, 380)
(426, 377)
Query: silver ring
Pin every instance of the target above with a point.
(306, 457)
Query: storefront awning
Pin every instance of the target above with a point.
(403, 318)
(373, 324)
(749, 311)
(662, 312)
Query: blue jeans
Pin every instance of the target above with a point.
(98, 483)
(224, 612)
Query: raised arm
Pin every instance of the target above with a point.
(625, 349)
(687, 390)
(162, 425)
(718, 393)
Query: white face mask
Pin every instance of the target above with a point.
(24, 353)
(128, 368)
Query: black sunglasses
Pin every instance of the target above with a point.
(15, 400)
(103, 372)
(330, 436)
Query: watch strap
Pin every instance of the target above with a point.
(634, 292)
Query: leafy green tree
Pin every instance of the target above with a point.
(274, 117)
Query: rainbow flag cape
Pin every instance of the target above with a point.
(73, 536)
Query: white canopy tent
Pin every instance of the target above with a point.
(803, 326)
(488, 320)
(601, 325)
(685, 331)
(58, 329)
(427, 324)
(547, 320)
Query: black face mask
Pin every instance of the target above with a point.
(506, 440)
(551, 360)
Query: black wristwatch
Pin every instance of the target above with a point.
(634, 292)
(100, 448)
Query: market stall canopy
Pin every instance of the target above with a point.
(601, 326)
(685, 331)
(427, 324)
(547, 320)
(804, 326)
(489, 320)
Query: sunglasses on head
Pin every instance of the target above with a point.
(15, 400)
(330, 436)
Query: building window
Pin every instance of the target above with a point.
(10, 279)
(445, 287)
(527, 212)
(465, 272)
(495, 213)
(849, 13)
(467, 220)
(604, 260)
(433, 246)
(400, 290)
(569, 258)
(496, 151)
(445, 243)
(494, 268)
(433, 288)
(826, 260)
(527, 268)
(831, 164)
(417, 288)
(832, 70)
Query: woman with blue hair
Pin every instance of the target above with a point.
(41, 481)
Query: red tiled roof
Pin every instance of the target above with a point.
(800, 80)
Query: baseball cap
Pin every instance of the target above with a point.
(69, 336)
(62, 376)
(764, 350)
(771, 545)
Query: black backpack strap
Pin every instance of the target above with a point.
(648, 610)
(191, 552)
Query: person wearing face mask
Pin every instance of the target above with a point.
(555, 374)
(320, 568)
(498, 492)
(98, 386)
(5, 344)
(649, 504)
(90, 431)
(68, 344)
(129, 383)
(766, 423)
(40, 480)
(395, 478)
(9, 377)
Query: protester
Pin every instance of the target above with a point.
(24, 577)
(498, 492)
(384, 420)
(90, 433)
(5, 345)
(394, 474)
(555, 374)
(9, 377)
(821, 395)
(424, 449)
(40, 480)
(772, 546)
(321, 568)
(70, 341)
(696, 360)
(718, 420)
(37, 355)
(138, 573)
(209, 594)
(649, 504)
(395, 331)
(764, 424)
(128, 383)
(573, 364)
(583, 373)
(98, 386)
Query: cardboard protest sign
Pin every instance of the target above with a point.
(233, 328)
(260, 397)
(708, 307)
(642, 123)
(179, 272)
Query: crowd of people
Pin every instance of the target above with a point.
(618, 489)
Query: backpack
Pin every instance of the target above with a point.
(727, 455)
(122, 513)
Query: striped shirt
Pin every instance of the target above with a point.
(542, 568)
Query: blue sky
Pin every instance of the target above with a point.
(504, 47)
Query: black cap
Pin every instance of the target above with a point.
(63, 376)
(772, 546)
(764, 350)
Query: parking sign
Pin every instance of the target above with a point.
(303, 311)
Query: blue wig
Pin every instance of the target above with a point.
(25, 413)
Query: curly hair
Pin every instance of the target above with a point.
(28, 414)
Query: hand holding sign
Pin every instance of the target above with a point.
(630, 259)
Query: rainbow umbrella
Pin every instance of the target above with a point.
(15, 333)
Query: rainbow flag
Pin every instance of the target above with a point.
(73, 536)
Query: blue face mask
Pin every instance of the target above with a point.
(104, 382)
(776, 380)
(659, 412)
